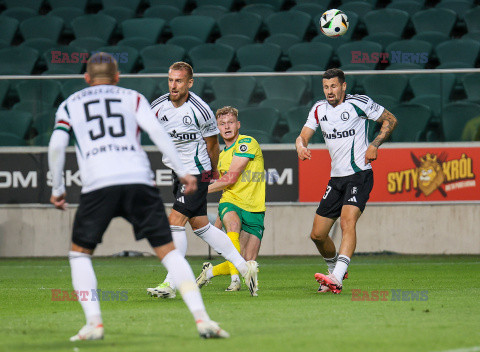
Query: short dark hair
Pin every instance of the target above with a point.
(334, 72)
(179, 66)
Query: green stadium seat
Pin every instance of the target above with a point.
(212, 11)
(56, 64)
(129, 4)
(255, 68)
(244, 23)
(3, 44)
(145, 86)
(46, 91)
(15, 122)
(448, 52)
(90, 44)
(161, 55)
(433, 101)
(154, 69)
(304, 67)
(386, 21)
(263, 10)
(283, 40)
(384, 39)
(212, 56)
(280, 104)
(324, 3)
(392, 85)
(352, 26)
(67, 14)
(148, 28)
(227, 101)
(17, 60)
(433, 38)
(421, 52)
(277, 4)
(265, 119)
(318, 54)
(291, 22)
(187, 42)
(438, 84)
(42, 140)
(43, 123)
(439, 20)
(344, 53)
(234, 87)
(11, 140)
(333, 42)
(296, 118)
(372, 2)
(290, 137)
(235, 41)
(120, 14)
(33, 107)
(460, 7)
(260, 136)
(126, 56)
(266, 55)
(387, 101)
(179, 4)
(71, 86)
(8, 28)
(164, 12)
(79, 4)
(412, 122)
(421, 2)
(311, 9)
(409, 6)
(138, 43)
(285, 87)
(361, 8)
(197, 26)
(404, 66)
(47, 27)
(474, 35)
(39, 44)
(227, 4)
(455, 116)
(19, 13)
(472, 19)
(4, 86)
(471, 83)
(99, 26)
(28, 4)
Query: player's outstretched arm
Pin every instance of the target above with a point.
(302, 142)
(389, 122)
(238, 165)
(56, 162)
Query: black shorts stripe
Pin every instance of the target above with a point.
(201, 108)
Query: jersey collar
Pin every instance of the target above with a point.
(225, 149)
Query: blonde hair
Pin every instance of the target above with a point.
(180, 65)
(225, 111)
(102, 65)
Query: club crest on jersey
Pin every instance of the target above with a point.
(243, 148)
(345, 116)
(339, 134)
(187, 120)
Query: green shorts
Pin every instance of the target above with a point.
(251, 222)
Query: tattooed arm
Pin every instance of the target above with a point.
(389, 122)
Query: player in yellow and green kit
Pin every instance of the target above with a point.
(242, 207)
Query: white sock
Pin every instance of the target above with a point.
(83, 279)
(179, 236)
(331, 263)
(341, 267)
(235, 278)
(209, 274)
(221, 243)
(183, 278)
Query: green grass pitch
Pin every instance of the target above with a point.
(288, 315)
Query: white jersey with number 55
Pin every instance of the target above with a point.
(345, 130)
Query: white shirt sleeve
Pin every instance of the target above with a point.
(209, 127)
(312, 120)
(149, 123)
(373, 110)
(56, 160)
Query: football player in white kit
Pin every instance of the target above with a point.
(343, 119)
(193, 128)
(117, 180)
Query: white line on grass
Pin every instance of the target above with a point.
(468, 349)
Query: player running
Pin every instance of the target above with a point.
(191, 125)
(117, 181)
(242, 206)
(343, 120)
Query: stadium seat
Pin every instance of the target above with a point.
(460, 7)
(67, 14)
(8, 28)
(420, 50)
(161, 55)
(304, 67)
(243, 23)
(179, 4)
(296, 118)
(290, 137)
(439, 84)
(138, 43)
(15, 122)
(361, 8)
(474, 35)
(39, 44)
(99, 26)
(187, 42)
(120, 14)
(318, 54)
(3, 44)
(387, 101)
(212, 11)
(11, 140)
(283, 40)
(19, 13)
(433, 38)
(155, 69)
(421, 2)
(47, 27)
(46, 91)
(277, 4)
(42, 140)
(386, 21)
(392, 85)
(344, 52)
(234, 87)
(71, 86)
(78, 4)
(404, 66)
(164, 12)
(455, 116)
(323, 3)
(281, 104)
(126, 56)
(333, 42)
(448, 52)
(471, 83)
(145, 86)
(212, 56)
(265, 119)
(384, 39)
(311, 9)
(291, 22)
(43, 123)
(147, 28)
(412, 122)
(196, 26)
(373, 2)
(17, 60)
(439, 20)
(235, 41)
(255, 68)
(260, 136)
(472, 19)
(227, 101)
(409, 6)
(433, 101)
(352, 26)
(90, 44)
(285, 87)
(129, 4)
(33, 107)
(28, 4)
(259, 54)
(56, 63)
(263, 10)
(4, 86)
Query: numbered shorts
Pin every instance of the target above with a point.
(251, 222)
(139, 204)
(349, 190)
(194, 204)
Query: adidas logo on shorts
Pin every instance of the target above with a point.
(353, 199)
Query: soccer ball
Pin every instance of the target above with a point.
(334, 23)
